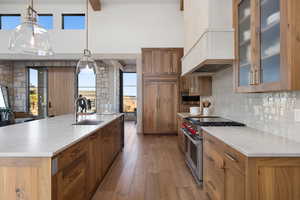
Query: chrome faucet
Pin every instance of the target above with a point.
(76, 108)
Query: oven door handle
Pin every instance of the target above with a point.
(196, 142)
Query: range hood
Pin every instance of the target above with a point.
(214, 51)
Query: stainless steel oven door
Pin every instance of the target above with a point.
(194, 156)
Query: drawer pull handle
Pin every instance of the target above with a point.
(230, 157)
(212, 185)
(208, 196)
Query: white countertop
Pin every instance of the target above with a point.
(254, 143)
(46, 137)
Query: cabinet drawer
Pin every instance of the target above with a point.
(214, 179)
(72, 153)
(228, 155)
(72, 181)
(234, 159)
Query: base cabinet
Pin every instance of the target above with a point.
(79, 170)
(229, 175)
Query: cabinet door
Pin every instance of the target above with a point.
(167, 107)
(161, 61)
(269, 41)
(234, 182)
(243, 21)
(72, 181)
(92, 178)
(184, 84)
(150, 107)
(106, 149)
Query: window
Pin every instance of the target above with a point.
(73, 21)
(46, 21)
(129, 92)
(33, 91)
(9, 21)
(87, 87)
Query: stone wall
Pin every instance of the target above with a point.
(107, 88)
(269, 112)
(15, 76)
(6, 77)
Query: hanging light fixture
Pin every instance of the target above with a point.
(29, 37)
(86, 62)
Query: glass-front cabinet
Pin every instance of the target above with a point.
(267, 45)
(269, 39)
(244, 40)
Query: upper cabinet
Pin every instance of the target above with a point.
(209, 35)
(267, 40)
(162, 61)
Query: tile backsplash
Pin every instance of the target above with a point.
(269, 112)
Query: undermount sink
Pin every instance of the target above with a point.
(88, 122)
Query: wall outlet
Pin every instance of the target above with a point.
(297, 115)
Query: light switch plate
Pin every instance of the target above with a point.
(297, 115)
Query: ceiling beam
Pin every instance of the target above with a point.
(182, 5)
(96, 5)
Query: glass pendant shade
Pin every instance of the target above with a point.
(30, 38)
(86, 62)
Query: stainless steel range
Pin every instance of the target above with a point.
(191, 127)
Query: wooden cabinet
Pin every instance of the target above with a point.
(267, 44)
(78, 171)
(184, 84)
(95, 162)
(229, 175)
(72, 181)
(161, 71)
(162, 61)
(200, 86)
(160, 105)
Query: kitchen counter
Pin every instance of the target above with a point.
(47, 137)
(254, 143)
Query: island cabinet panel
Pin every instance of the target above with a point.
(72, 182)
(230, 175)
(25, 178)
(78, 171)
(95, 162)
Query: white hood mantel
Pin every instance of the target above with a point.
(213, 51)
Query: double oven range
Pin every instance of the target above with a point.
(193, 133)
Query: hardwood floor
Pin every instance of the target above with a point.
(150, 168)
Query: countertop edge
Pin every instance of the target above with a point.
(55, 153)
(255, 154)
(86, 135)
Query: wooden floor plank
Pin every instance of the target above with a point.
(149, 168)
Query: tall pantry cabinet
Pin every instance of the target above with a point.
(161, 73)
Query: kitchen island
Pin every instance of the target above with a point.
(52, 159)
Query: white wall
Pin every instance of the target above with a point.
(118, 28)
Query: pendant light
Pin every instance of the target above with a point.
(86, 62)
(29, 37)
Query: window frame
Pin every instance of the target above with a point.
(70, 14)
(7, 15)
(47, 15)
(123, 85)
